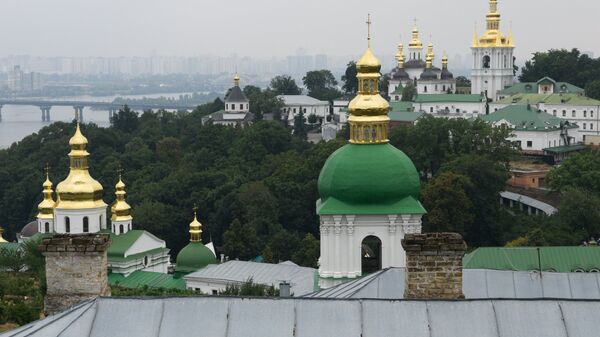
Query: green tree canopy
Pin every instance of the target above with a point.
(349, 78)
(581, 171)
(321, 84)
(592, 89)
(448, 206)
(284, 85)
(462, 81)
(561, 65)
(409, 92)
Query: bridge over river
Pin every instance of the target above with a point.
(112, 108)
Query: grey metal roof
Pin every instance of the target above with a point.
(301, 279)
(544, 207)
(477, 284)
(295, 317)
(304, 100)
(236, 95)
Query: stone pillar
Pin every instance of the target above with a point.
(76, 269)
(434, 265)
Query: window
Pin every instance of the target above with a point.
(592, 114)
(431, 109)
(215, 292)
(564, 113)
(425, 89)
(486, 62)
(396, 98)
(584, 113)
(227, 106)
(554, 112)
(444, 87)
(86, 224)
(120, 229)
(47, 227)
(436, 87)
(67, 224)
(591, 126)
(584, 126)
(146, 261)
(573, 113)
(233, 107)
(529, 143)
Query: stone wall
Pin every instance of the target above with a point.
(434, 265)
(76, 269)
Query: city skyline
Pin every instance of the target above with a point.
(113, 29)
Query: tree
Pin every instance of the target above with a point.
(262, 101)
(384, 83)
(249, 288)
(349, 78)
(582, 171)
(561, 65)
(592, 89)
(300, 126)
(321, 84)
(580, 213)
(447, 203)
(125, 120)
(12, 259)
(462, 81)
(284, 85)
(241, 241)
(309, 252)
(409, 93)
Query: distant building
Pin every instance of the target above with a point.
(493, 65)
(19, 81)
(544, 86)
(237, 108)
(293, 105)
(450, 105)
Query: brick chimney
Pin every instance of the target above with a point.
(434, 265)
(76, 269)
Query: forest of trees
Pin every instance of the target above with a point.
(256, 187)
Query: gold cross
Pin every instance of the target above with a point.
(120, 171)
(369, 29)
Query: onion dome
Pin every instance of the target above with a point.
(236, 80)
(46, 207)
(121, 211)
(399, 73)
(195, 255)
(2, 240)
(446, 74)
(369, 176)
(415, 42)
(429, 73)
(79, 190)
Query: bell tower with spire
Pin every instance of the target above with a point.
(45, 215)
(492, 57)
(369, 190)
(121, 211)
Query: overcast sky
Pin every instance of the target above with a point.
(265, 28)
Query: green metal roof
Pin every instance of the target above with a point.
(554, 99)
(399, 106)
(451, 98)
(152, 252)
(369, 179)
(558, 259)
(526, 118)
(139, 279)
(405, 116)
(532, 87)
(122, 242)
(565, 149)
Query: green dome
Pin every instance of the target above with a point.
(369, 179)
(194, 256)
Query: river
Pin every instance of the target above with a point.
(19, 121)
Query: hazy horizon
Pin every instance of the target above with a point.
(270, 28)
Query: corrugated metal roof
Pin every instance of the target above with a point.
(300, 278)
(301, 100)
(263, 317)
(144, 278)
(559, 259)
(544, 207)
(477, 284)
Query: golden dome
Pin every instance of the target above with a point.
(79, 190)
(121, 211)
(415, 41)
(492, 37)
(400, 56)
(46, 207)
(368, 110)
(236, 80)
(195, 229)
(445, 62)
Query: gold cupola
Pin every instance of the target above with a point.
(121, 211)
(368, 110)
(400, 56)
(445, 62)
(492, 37)
(430, 56)
(236, 80)
(46, 207)
(415, 42)
(79, 190)
(195, 228)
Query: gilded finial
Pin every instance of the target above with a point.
(195, 227)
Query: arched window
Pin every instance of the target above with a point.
(486, 62)
(120, 229)
(67, 224)
(370, 255)
(47, 227)
(86, 224)
(425, 89)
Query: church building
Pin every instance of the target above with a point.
(369, 190)
(80, 209)
(237, 108)
(493, 65)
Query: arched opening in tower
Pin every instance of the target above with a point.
(370, 255)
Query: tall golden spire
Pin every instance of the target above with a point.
(1, 238)
(236, 80)
(121, 211)
(430, 56)
(368, 110)
(400, 56)
(415, 42)
(46, 207)
(79, 190)
(445, 61)
(195, 228)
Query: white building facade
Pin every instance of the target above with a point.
(293, 105)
